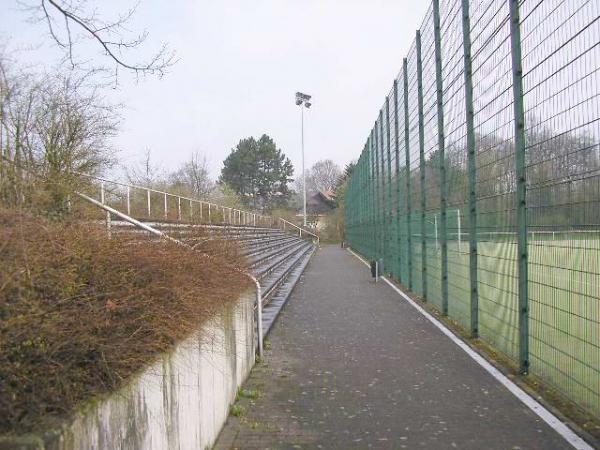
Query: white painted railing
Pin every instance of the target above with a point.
(187, 208)
(284, 224)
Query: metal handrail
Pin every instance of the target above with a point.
(165, 236)
(301, 230)
(236, 212)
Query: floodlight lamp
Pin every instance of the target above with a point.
(308, 104)
(298, 102)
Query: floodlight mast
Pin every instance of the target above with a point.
(302, 100)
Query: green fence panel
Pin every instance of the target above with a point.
(479, 184)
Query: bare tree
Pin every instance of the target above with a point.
(324, 175)
(298, 183)
(193, 176)
(146, 173)
(71, 21)
(52, 129)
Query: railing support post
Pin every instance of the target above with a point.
(166, 210)
(148, 202)
(521, 193)
(179, 209)
(472, 169)
(422, 165)
(128, 201)
(102, 200)
(441, 152)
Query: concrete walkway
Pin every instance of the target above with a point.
(352, 365)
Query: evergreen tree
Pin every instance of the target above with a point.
(259, 173)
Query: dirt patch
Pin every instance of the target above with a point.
(80, 313)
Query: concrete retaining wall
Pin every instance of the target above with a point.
(180, 402)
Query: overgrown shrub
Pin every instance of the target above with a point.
(79, 313)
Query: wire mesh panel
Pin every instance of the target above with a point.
(392, 262)
(456, 161)
(403, 216)
(499, 169)
(496, 181)
(414, 173)
(432, 164)
(561, 62)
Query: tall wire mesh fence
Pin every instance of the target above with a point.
(479, 183)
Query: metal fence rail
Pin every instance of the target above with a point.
(147, 203)
(479, 183)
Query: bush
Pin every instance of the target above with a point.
(80, 313)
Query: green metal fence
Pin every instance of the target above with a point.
(479, 183)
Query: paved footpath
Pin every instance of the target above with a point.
(353, 366)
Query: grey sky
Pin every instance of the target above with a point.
(240, 64)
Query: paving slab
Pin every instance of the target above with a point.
(353, 366)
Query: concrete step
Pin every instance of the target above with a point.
(270, 251)
(272, 279)
(278, 300)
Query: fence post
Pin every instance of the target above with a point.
(441, 152)
(179, 209)
(373, 195)
(408, 175)
(128, 201)
(397, 171)
(422, 165)
(209, 218)
(377, 193)
(389, 181)
(191, 211)
(382, 240)
(472, 169)
(520, 171)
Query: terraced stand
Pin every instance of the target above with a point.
(275, 257)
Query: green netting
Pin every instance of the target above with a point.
(449, 138)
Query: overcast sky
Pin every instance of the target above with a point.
(240, 64)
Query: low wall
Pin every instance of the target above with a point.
(180, 402)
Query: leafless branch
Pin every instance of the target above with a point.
(111, 36)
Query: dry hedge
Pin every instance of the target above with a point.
(79, 313)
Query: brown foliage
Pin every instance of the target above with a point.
(79, 313)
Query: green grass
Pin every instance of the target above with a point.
(237, 410)
(247, 393)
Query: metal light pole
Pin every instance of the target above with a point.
(303, 100)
